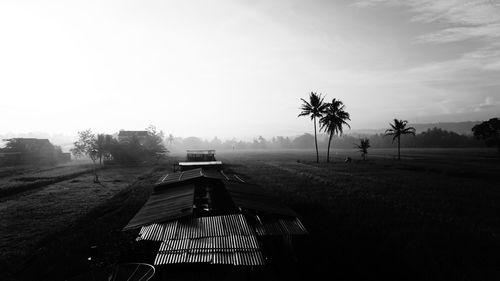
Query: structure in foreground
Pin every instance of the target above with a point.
(210, 217)
(200, 158)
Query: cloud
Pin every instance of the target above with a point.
(488, 103)
(458, 20)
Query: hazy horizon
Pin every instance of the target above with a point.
(239, 68)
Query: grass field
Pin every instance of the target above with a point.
(34, 222)
(432, 216)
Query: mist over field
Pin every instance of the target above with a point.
(246, 140)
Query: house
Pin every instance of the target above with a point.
(29, 151)
(10, 158)
(197, 155)
(127, 136)
(207, 217)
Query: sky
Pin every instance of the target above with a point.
(239, 68)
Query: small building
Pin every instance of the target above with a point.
(198, 155)
(127, 136)
(207, 217)
(199, 158)
(30, 151)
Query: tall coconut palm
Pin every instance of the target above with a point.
(314, 108)
(397, 130)
(333, 120)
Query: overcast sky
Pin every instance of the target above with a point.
(239, 68)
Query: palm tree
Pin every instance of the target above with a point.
(399, 128)
(333, 120)
(363, 146)
(315, 108)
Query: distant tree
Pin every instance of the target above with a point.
(100, 145)
(260, 142)
(363, 146)
(332, 121)
(87, 145)
(284, 142)
(170, 139)
(314, 108)
(193, 143)
(489, 131)
(303, 141)
(397, 130)
(215, 143)
(154, 142)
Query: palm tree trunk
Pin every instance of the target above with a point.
(399, 148)
(316, 141)
(328, 152)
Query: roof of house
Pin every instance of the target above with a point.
(173, 197)
(215, 240)
(190, 234)
(196, 174)
(165, 204)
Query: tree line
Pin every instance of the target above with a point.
(99, 147)
(332, 117)
(432, 138)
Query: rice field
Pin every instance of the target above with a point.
(434, 215)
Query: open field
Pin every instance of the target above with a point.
(15, 180)
(33, 219)
(432, 216)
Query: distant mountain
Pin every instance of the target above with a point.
(462, 128)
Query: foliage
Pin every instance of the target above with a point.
(154, 142)
(87, 145)
(333, 120)
(363, 146)
(135, 150)
(314, 108)
(397, 130)
(489, 131)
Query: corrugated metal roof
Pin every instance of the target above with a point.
(197, 173)
(282, 226)
(165, 204)
(234, 249)
(216, 226)
(232, 257)
(253, 197)
(215, 240)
